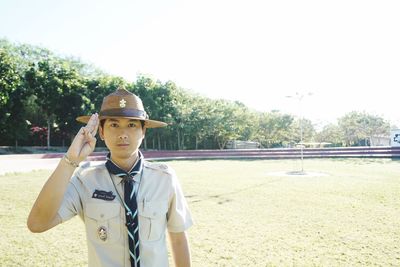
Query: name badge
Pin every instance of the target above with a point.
(100, 194)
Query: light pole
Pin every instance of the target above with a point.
(298, 96)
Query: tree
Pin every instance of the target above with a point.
(308, 130)
(359, 127)
(13, 124)
(226, 122)
(274, 129)
(331, 133)
(375, 126)
(9, 81)
(154, 97)
(49, 91)
(198, 123)
(60, 95)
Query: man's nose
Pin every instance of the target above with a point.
(123, 136)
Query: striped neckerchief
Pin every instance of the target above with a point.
(130, 203)
(137, 168)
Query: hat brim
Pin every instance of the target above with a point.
(147, 123)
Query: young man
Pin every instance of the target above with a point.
(126, 203)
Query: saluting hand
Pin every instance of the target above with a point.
(85, 141)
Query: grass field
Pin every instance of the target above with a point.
(245, 215)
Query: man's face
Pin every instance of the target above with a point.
(122, 136)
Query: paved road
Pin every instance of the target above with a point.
(29, 162)
(26, 163)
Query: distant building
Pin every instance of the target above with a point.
(237, 144)
(380, 141)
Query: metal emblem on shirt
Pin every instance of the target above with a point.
(101, 194)
(102, 232)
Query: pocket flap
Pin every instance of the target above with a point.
(153, 209)
(102, 211)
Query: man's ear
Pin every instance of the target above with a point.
(144, 131)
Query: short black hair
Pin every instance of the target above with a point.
(104, 120)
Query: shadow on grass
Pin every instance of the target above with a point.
(221, 197)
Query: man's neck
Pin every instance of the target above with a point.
(126, 164)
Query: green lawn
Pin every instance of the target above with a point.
(245, 215)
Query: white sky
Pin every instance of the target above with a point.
(346, 53)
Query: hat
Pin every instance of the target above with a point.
(124, 104)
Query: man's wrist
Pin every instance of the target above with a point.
(70, 162)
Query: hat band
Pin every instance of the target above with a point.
(126, 112)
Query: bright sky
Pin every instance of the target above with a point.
(346, 53)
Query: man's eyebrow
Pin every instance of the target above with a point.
(116, 120)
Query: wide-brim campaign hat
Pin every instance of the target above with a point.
(124, 104)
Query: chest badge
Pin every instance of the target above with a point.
(102, 232)
(104, 195)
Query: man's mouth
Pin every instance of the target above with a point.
(123, 144)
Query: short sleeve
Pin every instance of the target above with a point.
(179, 217)
(71, 204)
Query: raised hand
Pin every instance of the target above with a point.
(84, 141)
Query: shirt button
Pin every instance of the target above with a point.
(101, 215)
(154, 213)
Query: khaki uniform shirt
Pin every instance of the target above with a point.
(161, 206)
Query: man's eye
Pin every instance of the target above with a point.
(113, 125)
(132, 125)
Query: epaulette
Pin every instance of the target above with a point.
(87, 165)
(158, 166)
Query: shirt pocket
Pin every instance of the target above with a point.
(103, 222)
(152, 219)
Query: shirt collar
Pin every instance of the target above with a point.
(136, 169)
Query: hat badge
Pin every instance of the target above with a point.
(122, 103)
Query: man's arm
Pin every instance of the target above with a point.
(180, 249)
(43, 215)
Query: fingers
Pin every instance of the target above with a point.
(92, 142)
(89, 139)
(94, 132)
(88, 135)
(88, 146)
(93, 124)
(85, 140)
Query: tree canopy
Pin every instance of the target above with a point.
(42, 93)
